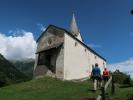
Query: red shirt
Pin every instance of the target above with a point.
(105, 72)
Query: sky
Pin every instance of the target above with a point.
(105, 25)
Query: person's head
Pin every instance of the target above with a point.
(96, 65)
(105, 68)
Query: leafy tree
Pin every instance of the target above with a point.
(122, 78)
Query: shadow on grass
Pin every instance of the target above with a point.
(91, 90)
(89, 98)
(125, 86)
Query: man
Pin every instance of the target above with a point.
(105, 75)
(96, 74)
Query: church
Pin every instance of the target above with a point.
(64, 55)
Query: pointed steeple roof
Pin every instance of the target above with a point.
(74, 28)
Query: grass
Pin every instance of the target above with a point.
(53, 89)
(47, 89)
(121, 93)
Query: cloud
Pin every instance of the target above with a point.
(41, 27)
(94, 46)
(16, 32)
(18, 47)
(125, 66)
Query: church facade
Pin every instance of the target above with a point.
(64, 55)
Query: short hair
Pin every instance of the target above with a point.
(96, 64)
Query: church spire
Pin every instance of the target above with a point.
(74, 27)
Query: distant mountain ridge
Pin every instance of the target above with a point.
(9, 73)
(25, 66)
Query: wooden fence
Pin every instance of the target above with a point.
(104, 88)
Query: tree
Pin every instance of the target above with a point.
(122, 78)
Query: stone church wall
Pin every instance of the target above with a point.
(78, 60)
(51, 37)
(60, 63)
(75, 59)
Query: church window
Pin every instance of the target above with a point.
(49, 41)
(103, 64)
(95, 57)
(76, 43)
(85, 49)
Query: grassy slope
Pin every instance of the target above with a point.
(122, 94)
(53, 89)
(47, 89)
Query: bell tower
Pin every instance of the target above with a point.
(74, 28)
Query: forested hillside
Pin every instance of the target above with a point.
(25, 66)
(9, 73)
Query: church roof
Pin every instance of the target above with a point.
(74, 28)
(70, 34)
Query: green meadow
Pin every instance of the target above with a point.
(47, 89)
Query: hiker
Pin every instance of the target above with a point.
(105, 75)
(96, 74)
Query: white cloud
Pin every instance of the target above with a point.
(94, 46)
(125, 66)
(16, 32)
(18, 47)
(41, 27)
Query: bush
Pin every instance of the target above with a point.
(122, 78)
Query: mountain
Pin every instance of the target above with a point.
(8, 73)
(25, 66)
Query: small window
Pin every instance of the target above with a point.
(103, 64)
(49, 41)
(76, 43)
(95, 57)
(85, 50)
